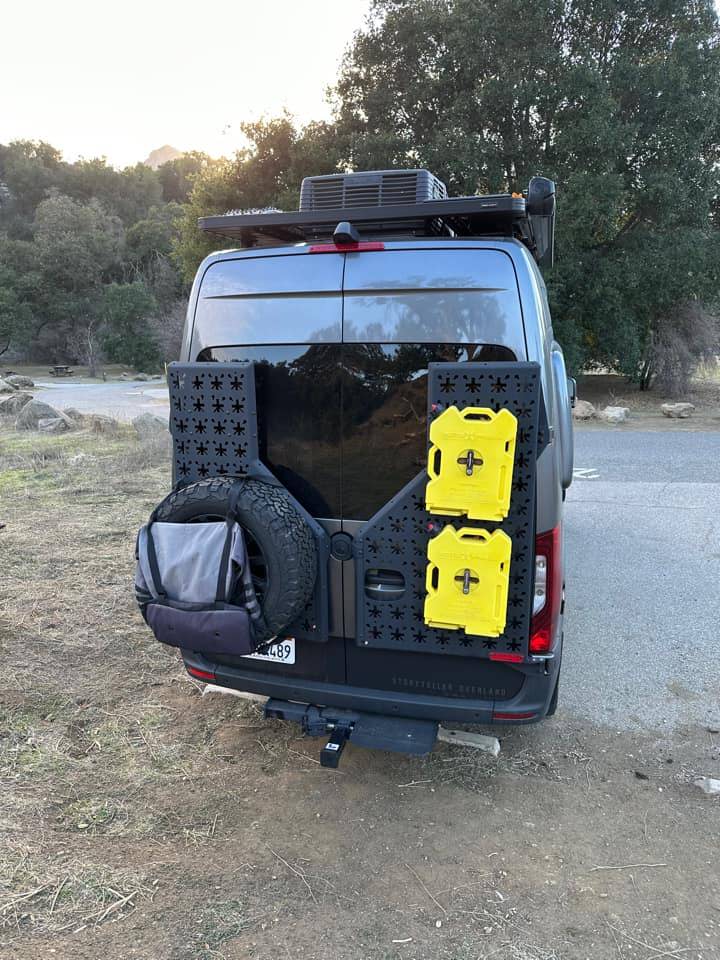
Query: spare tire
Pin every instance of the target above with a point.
(280, 544)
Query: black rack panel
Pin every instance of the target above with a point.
(396, 538)
(213, 422)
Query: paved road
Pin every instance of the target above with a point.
(121, 399)
(643, 598)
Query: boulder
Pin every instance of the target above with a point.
(12, 404)
(7, 387)
(678, 411)
(709, 785)
(75, 415)
(142, 377)
(614, 414)
(100, 424)
(583, 410)
(148, 426)
(53, 425)
(35, 411)
(19, 382)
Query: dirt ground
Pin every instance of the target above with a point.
(140, 819)
(645, 414)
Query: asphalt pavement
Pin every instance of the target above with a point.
(642, 631)
(122, 399)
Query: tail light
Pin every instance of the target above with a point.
(362, 246)
(548, 591)
(201, 674)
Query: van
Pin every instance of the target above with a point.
(350, 318)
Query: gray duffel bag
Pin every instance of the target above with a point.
(187, 574)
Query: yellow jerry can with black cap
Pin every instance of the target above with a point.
(470, 463)
(467, 581)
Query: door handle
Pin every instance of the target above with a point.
(384, 584)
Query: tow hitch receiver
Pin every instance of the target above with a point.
(399, 734)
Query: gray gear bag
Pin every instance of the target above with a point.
(186, 576)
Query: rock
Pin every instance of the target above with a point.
(53, 425)
(124, 376)
(614, 414)
(35, 411)
(13, 404)
(76, 415)
(99, 423)
(156, 376)
(709, 785)
(6, 387)
(148, 426)
(583, 410)
(678, 411)
(20, 382)
(144, 377)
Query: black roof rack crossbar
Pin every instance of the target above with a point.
(464, 216)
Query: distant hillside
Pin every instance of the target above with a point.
(162, 155)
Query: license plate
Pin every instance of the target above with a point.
(281, 652)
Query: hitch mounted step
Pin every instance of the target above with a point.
(398, 734)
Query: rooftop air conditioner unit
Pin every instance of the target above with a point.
(372, 188)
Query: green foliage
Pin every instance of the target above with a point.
(177, 176)
(73, 237)
(620, 103)
(266, 174)
(125, 309)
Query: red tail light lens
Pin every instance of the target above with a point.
(201, 674)
(364, 246)
(548, 591)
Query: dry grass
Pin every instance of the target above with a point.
(66, 894)
(138, 818)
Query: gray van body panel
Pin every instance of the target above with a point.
(288, 295)
(430, 290)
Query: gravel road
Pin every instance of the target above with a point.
(643, 555)
(120, 399)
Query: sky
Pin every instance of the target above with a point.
(121, 79)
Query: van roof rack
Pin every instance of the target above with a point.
(529, 218)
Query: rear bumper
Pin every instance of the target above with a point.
(531, 702)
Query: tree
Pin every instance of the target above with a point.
(177, 176)
(620, 103)
(126, 309)
(86, 343)
(29, 169)
(266, 174)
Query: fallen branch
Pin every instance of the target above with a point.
(434, 899)
(298, 873)
(115, 906)
(23, 896)
(658, 951)
(628, 866)
(58, 892)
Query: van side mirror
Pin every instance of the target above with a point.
(540, 206)
(572, 390)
